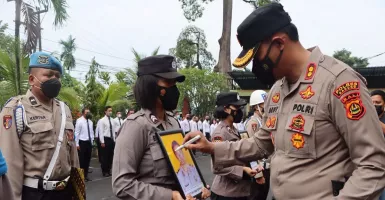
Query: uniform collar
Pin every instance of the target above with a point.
(308, 72)
(34, 101)
(153, 119)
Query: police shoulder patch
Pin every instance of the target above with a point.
(346, 87)
(217, 139)
(7, 121)
(354, 107)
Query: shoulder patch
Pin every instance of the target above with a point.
(254, 126)
(310, 71)
(7, 121)
(354, 107)
(217, 139)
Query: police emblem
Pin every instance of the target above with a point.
(254, 127)
(238, 97)
(154, 119)
(264, 96)
(44, 60)
(270, 122)
(275, 98)
(32, 100)
(173, 64)
(7, 121)
(298, 140)
(298, 123)
(217, 139)
(355, 110)
(308, 93)
(310, 71)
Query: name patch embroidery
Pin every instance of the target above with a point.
(303, 108)
(35, 118)
(346, 87)
(273, 109)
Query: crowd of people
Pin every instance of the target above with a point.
(318, 134)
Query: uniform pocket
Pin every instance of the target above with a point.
(300, 136)
(42, 136)
(160, 163)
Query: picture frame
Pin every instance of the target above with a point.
(243, 134)
(190, 179)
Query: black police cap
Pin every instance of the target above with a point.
(259, 25)
(229, 98)
(163, 66)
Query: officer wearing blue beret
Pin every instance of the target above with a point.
(37, 135)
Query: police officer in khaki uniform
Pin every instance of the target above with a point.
(327, 140)
(37, 135)
(140, 169)
(5, 186)
(233, 182)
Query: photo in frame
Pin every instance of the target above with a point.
(183, 164)
(243, 134)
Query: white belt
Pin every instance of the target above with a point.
(47, 185)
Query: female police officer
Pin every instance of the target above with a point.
(231, 182)
(140, 169)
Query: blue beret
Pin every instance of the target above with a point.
(44, 60)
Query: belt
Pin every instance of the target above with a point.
(44, 184)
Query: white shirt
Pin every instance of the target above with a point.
(104, 129)
(194, 126)
(240, 126)
(81, 130)
(118, 123)
(200, 125)
(212, 128)
(206, 127)
(97, 129)
(185, 124)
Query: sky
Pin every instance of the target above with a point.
(108, 30)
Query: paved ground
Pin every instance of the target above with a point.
(100, 187)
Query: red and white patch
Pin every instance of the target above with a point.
(7, 121)
(276, 98)
(355, 110)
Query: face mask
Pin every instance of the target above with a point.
(50, 87)
(237, 117)
(379, 109)
(88, 116)
(119, 116)
(170, 99)
(263, 70)
(109, 114)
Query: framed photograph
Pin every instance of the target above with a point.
(244, 134)
(182, 162)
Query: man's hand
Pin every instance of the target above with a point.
(202, 144)
(78, 148)
(249, 171)
(206, 192)
(261, 180)
(102, 145)
(176, 196)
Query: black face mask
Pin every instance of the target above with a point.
(379, 109)
(237, 117)
(50, 87)
(88, 116)
(170, 99)
(263, 70)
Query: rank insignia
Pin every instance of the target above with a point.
(254, 127)
(7, 121)
(346, 87)
(275, 98)
(270, 122)
(297, 123)
(217, 139)
(355, 110)
(308, 93)
(154, 119)
(310, 71)
(32, 100)
(298, 140)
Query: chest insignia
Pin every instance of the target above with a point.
(217, 139)
(355, 110)
(275, 98)
(310, 71)
(308, 93)
(270, 122)
(298, 140)
(298, 123)
(32, 100)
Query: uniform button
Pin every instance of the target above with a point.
(322, 59)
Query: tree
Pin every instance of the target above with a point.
(201, 88)
(6, 41)
(193, 10)
(353, 61)
(93, 89)
(105, 76)
(31, 26)
(115, 96)
(67, 55)
(191, 49)
(120, 77)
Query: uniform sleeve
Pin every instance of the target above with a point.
(12, 152)
(77, 131)
(249, 127)
(355, 117)
(128, 154)
(101, 131)
(243, 151)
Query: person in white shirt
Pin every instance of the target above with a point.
(200, 124)
(194, 124)
(213, 126)
(84, 133)
(185, 124)
(107, 141)
(206, 128)
(118, 122)
(97, 140)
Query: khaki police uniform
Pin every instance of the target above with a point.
(29, 154)
(253, 124)
(326, 133)
(229, 181)
(140, 169)
(5, 188)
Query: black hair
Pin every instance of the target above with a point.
(146, 91)
(292, 31)
(378, 92)
(220, 113)
(106, 108)
(84, 109)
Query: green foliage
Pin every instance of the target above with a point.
(201, 86)
(6, 41)
(67, 55)
(70, 97)
(353, 61)
(193, 9)
(258, 3)
(105, 76)
(187, 48)
(93, 90)
(60, 9)
(115, 96)
(120, 77)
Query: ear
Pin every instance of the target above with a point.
(31, 80)
(280, 41)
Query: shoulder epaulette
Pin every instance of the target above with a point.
(135, 115)
(333, 65)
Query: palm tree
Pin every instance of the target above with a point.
(131, 72)
(67, 55)
(32, 27)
